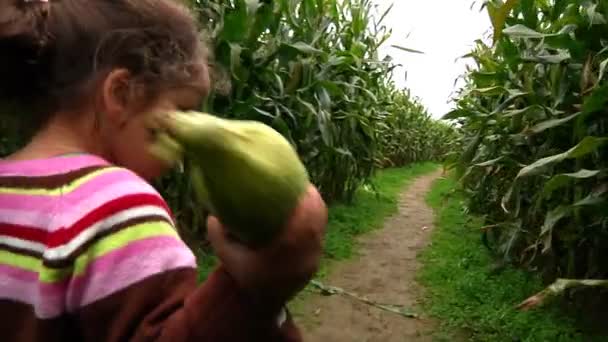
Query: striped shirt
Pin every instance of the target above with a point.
(89, 251)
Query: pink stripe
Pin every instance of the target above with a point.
(119, 269)
(74, 209)
(17, 289)
(48, 166)
(39, 209)
(24, 278)
(18, 274)
(21, 285)
(26, 218)
(34, 202)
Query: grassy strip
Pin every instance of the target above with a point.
(465, 295)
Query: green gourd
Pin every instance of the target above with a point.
(244, 172)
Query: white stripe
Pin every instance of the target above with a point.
(22, 244)
(90, 232)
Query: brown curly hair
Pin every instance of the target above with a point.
(51, 53)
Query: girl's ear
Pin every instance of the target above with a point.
(116, 97)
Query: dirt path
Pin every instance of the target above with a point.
(384, 271)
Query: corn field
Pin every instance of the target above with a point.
(311, 70)
(535, 135)
(527, 138)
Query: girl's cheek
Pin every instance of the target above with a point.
(153, 167)
(133, 151)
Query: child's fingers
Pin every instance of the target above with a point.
(215, 233)
(226, 249)
(307, 224)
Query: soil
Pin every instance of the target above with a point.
(384, 271)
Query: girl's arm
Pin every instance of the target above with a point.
(134, 279)
(171, 307)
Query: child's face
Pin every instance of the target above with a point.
(130, 148)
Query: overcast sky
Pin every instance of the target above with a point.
(444, 30)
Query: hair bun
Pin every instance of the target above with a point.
(23, 42)
(25, 19)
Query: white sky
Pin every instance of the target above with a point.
(444, 30)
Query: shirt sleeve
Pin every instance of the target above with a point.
(134, 279)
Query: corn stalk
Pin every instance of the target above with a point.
(535, 133)
(311, 70)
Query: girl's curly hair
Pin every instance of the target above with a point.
(51, 53)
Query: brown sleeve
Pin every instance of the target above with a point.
(173, 307)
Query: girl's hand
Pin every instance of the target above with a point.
(277, 272)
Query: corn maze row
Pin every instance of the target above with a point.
(528, 137)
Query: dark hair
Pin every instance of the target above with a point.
(51, 53)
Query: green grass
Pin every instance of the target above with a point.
(206, 264)
(465, 295)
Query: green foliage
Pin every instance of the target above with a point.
(471, 297)
(310, 69)
(535, 127)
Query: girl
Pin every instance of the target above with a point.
(88, 249)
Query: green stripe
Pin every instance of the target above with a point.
(120, 240)
(25, 262)
(34, 265)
